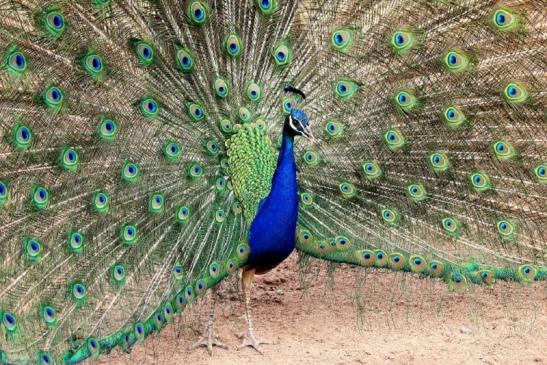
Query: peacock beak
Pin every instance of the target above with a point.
(306, 132)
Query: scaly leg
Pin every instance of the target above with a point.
(249, 338)
(209, 340)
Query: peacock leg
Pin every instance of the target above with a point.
(249, 338)
(210, 339)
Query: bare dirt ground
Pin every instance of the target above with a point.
(361, 317)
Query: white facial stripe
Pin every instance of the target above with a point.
(291, 123)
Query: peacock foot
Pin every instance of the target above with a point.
(209, 340)
(250, 340)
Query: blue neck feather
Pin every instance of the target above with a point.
(272, 235)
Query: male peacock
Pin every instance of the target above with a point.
(150, 148)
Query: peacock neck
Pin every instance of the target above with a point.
(284, 179)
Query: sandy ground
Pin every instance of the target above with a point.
(361, 317)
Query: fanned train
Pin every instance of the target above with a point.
(151, 148)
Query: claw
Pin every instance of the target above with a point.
(209, 341)
(249, 340)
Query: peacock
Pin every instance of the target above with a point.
(149, 149)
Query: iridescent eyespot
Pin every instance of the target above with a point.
(456, 61)
(487, 276)
(396, 261)
(220, 87)
(288, 104)
(381, 258)
(100, 202)
(128, 234)
(118, 273)
(451, 226)
(394, 140)
(130, 171)
(183, 213)
(21, 136)
(515, 93)
(311, 158)
(69, 159)
(304, 237)
(54, 23)
(4, 193)
(253, 91)
(220, 184)
(417, 263)
(439, 162)
(242, 251)
(233, 45)
(417, 192)
(33, 249)
(480, 182)
(195, 171)
(171, 150)
(402, 41)
(453, 116)
(78, 291)
(212, 147)
(185, 60)
(226, 125)
(48, 314)
(504, 20)
(244, 114)
(366, 257)
(405, 100)
(341, 39)
(348, 190)
(93, 64)
(107, 129)
(267, 7)
(504, 150)
(16, 61)
(306, 199)
(94, 347)
(197, 12)
(195, 112)
(144, 52)
(220, 215)
(53, 98)
(40, 197)
(372, 170)
(436, 268)
(334, 129)
(390, 216)
(282, 54)
(75, 242)
(9, 322)
(149, 107)
(540, 173)
(345, 89)
(506, 229)
(527, 273)
(156, 203)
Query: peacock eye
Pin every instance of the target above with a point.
(456, 61)
(253, 91)
(267, 7)
(453, 116)
(185, 60)
(197, 12)
(233, 45)
(195, 112)
(402, 41)
(341, 40)
(282, 54)
(514, 93)
(16, 62)
(345, 89)
(220, 87)
(503, 20)
(394, 140)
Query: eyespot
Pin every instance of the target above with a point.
(244, 114)
(75, 242)
(506, 229)
(129, 234)
(390, 216)
(195, 112)
(93, 347)
(334, 129)
(220, 215)
(504, 20)
(480, 182)
(348, 190)
(156, 203)
(53, 98)
(282, 54)
(394, 140)
(40, 197)
(372, 170)
(236, 207)
(44, 358)
(183, 213)
(107, 129)
(417, 263)
(55, 23)
(311, 158)
(436, 269)
(138, 330)
(287, 104)
(267, 7)
(457, 281)
(405, 101)
(144, 52)
(453, 117)
(48, 314)
(305, 237)
(78, 291)
(185, 60)
(345, 89)
(16, 62)
(212, 147)
(197, 12)
(233, 45)
(118, 273)
(515, 93)
(9, 322)
(306, 199)
(242, 251)
(226, 125)
(220, 87)
(21, 136)
(171, 150)
(253, 91)
(438, 161)
(456, 61)
(342, 242)
(487, 276)
(451, 226)
(33, 249)
(101, 202)
(231, 266)
(417, 192)
(366, 257)
(93, 64)
(540, 173)
(220, 184)
(527, 273)
(4, 193)
(380, 259)
(402, 41)
(341, 40)
(503, 150)
(130, 172)
(195, 171)
(149, 107)
(396, 261)
(69, 159)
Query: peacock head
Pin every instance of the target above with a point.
(297, 123)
